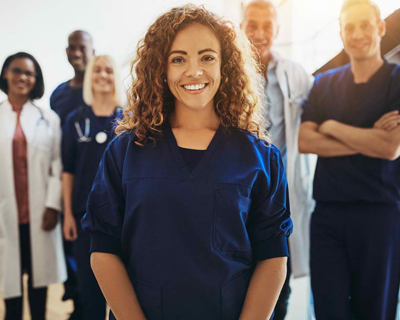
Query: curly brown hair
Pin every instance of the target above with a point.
(238, 101)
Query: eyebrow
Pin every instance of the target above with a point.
(185, 53)
(260, 22)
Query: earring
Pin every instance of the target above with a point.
(165, 80)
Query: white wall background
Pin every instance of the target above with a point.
(309, 31)
(41, 28)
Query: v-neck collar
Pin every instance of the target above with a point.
(177, 154)
(371, 80)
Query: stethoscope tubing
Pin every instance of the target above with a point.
(42, 117)
(83, 137)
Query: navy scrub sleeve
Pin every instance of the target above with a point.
(190, 240)
(310, 110)
(69, 147)
(105, 207)
(269, 223)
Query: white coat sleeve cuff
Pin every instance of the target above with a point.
(53, 197)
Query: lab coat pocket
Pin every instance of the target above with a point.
(150, 299)
(230, 236)
(233, 295)
(42, 144)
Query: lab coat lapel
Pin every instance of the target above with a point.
(9, 119)
(27, 123)
(10, 271)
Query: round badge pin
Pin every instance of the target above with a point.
(101, 137)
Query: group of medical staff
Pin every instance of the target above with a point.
(338, 136)
(41, 146)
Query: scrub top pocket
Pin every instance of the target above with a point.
(230, 236)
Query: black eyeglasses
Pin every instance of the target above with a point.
(19, 72)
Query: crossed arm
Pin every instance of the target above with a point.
(333, 139)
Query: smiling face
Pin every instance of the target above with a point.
(103, 77)
(361, 32)
(79, 50)
(21, 77)
(194, 67)
(261, 26)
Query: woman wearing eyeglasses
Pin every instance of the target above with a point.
(30, 189)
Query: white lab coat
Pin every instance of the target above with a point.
(295, 85)
(42, 132)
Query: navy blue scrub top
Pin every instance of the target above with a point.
(65, 99)
(355, 178)
(191, 157)
(82, 158)
(190, 240)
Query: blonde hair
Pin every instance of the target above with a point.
(239, 99)
(87, 81)
(351, 3)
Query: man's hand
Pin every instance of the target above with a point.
(69, 229)
(326, 127)
(50, 219)
(389, 121)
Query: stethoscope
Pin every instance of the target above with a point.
(83, 137)
(42, 119)
(42, 135)
(100, 137)
(289, 92)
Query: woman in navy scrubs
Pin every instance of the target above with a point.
(86, 133)
(189, 212)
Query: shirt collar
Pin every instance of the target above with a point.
(272, 62)
(16, 107)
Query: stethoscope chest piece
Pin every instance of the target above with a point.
(101, 137)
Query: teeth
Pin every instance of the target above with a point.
(194, 86)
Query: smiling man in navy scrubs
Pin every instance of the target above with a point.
(68, 95)
(351, 121)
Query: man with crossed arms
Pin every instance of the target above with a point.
(351, 121)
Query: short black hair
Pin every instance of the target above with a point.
(82, 33)
(38, 90)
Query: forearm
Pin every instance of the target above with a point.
(312, 141)
(264, 289)
(369, 142)
(68, 180)
(116, 286)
